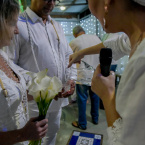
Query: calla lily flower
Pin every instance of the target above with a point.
(43, 89)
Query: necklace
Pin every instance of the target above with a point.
(59, 54)
(7, 70)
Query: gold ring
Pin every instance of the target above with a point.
(112, 73)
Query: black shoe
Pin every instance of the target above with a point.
(72, 102)
(94, 122)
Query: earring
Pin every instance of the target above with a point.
(105, 14)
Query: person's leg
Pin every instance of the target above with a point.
(53, 127)
(82, 96)
(94, 106)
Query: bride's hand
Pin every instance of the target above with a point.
(104, 87)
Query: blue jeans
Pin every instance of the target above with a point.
(82, 96)
(113, 67)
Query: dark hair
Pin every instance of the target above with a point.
(8, 8)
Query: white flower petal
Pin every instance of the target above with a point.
(44, 93)
(45, 82)
(49, 87)
(42, 74)
(35, 87)
(57, 84)
(50, 95)
(36, 95)
(31, 74)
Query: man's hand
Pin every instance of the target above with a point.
(58, 96)
(71, 83)
(66, 93)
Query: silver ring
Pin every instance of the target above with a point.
(112, 73)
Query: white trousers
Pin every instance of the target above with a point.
(53, 123)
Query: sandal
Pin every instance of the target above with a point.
(76, 124)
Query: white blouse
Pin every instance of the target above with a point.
(12, 111)
(130, 99)
(120, 46)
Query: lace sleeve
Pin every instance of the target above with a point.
(114, 132)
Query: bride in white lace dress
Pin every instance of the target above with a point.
(14, 128)
(125, 111)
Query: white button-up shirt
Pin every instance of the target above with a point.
(45, 47)
(85, 41)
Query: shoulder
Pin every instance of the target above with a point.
(21, 21)
(74, 42)
(91, 36)
(56, 23)
(59, 29)
(75, 45)
(140, 50)
(22, 17)
(4, 54)
(87, 38)
(139, 55)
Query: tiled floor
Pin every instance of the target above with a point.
(69, 114)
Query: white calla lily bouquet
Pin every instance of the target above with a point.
(43, 89)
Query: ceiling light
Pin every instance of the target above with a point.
(62, 8)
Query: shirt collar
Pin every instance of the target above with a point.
(34, 17)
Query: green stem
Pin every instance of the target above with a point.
(36, 142)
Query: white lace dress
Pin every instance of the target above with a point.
(12, 112)
(130, 103)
